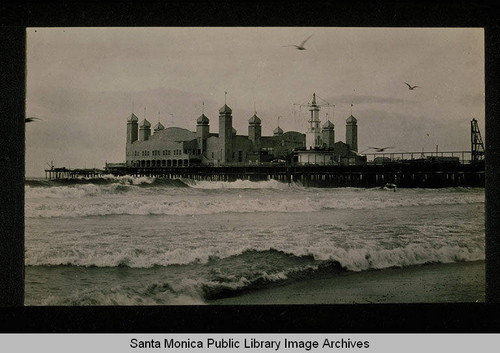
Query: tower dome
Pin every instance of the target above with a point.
(254, 120)
(351, 119)
(132, 118)
(225, 109)
(158, 127)
(278, 131)
(328, 125)
(145, 123)
(202, 120)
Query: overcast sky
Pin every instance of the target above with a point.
(83, 81)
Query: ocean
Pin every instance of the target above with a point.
(146, 241)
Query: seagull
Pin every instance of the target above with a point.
(301, 45)
(380, 149)
(30, 119)
(410, 87)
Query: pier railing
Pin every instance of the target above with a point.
(463, 157)
(66, 173)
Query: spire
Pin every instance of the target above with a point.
(225, 94)
(314, 99)
(351, 119)
(202, 108)
(278, 130)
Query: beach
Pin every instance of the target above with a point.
(458, 283)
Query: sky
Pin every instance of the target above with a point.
(83, 83)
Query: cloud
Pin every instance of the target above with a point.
(471, 99)
(363, 99)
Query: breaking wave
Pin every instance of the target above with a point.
(217, 283)
(351, 259)
(74, 202)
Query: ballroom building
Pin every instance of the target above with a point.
(178, 147)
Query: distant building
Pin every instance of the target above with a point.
(175, 147)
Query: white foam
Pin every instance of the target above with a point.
(363, 257)
(240, 184)
(123, 296)
(77, 202)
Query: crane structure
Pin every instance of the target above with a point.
(477, 146)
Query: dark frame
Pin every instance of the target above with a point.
(281, 318)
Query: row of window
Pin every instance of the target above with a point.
(167, 152)
(161, 163)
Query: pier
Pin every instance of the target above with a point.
(65, 173)
(422, 174)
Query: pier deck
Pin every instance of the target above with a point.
(429, 175)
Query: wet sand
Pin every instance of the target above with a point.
(434, 283)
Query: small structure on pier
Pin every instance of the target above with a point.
(65, 173)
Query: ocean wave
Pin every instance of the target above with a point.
(105, 180)
(121, 295)
(182, 205)
(187, 291)
(352, 259)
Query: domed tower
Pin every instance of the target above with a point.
(144, 130)
(278, 131)
(158, 127)
(328, 133)
(202, 132)
(132, 128)
(226, 133)
(313, 134)
(255, 131)
(351, 133)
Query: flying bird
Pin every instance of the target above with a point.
(410, 87)
(301, 45)
(380, 149)
(30, 119)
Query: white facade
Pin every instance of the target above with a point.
(317, 158)
(313, 134)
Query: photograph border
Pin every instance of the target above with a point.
(362, 318)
